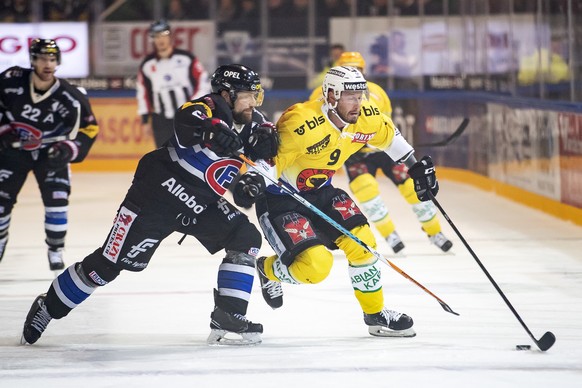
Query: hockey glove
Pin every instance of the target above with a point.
(249, 187)
(264, 141)
(59, 155)
(424, 177)
(6, 140)
(219, 138)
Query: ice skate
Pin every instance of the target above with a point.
(393, 239)
(55, 259)
(233, 329)
(36, 321)
(441, 241)
(272, 290)
(389, 323)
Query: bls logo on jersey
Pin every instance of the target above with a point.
(311, 124)
(220, 174)
(371, 111)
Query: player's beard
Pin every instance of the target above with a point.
(44, 75)
(243, 117)
(350, 117)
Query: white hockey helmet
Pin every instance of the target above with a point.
(342, 78)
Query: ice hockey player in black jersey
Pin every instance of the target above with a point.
(45, 124)
(179, 188)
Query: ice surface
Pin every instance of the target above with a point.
(149, 329)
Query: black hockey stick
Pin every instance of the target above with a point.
(548, 339)
(449, 139)
(291, 191)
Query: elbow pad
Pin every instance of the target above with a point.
(399, 149)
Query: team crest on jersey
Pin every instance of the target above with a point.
(345, 206)
(312, 178)
(220, 174)
(363, 138)
(298, 228)
(30, 137)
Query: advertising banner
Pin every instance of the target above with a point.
(72, 39)
(570, 127)
(120, 47)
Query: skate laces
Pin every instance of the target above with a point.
(273, 288)
(390, 315)
(41, 318)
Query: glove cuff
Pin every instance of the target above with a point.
(74, 148)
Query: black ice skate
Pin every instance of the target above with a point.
(441, 241)
(395, 242)
(388, 323)
(36, 321)
(272, 290)
(239, 329)
(55, 259)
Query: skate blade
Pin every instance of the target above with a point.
(23, 341)
(381, 331)
(228, 338)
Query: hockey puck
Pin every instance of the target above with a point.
(522, 347)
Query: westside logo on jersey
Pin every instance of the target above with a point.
(220, 174)
(313, 178)
(311, 124)
(118, 233)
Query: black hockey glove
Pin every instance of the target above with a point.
(248, 188)
(264, 141)
(219, 138)
(7, 139)
(424, 177)
(59, 155)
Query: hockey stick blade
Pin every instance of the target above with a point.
(451, 138)
(548, 339)
(291, 191)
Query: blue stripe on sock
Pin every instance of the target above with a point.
(70, 289)
(235, 280)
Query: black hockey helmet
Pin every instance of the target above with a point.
(235, 78)
(46, 47)
(158, 27)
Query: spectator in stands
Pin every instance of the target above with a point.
(335, 51)
(16, 11)
(65, 10)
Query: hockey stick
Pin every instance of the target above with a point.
(449, 139)
(291, 191)
(48, 140)
(548, 339)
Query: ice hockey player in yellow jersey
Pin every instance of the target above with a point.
(363, 166)
(316, 139)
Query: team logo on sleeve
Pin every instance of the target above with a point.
(220, 174)
(312, 178)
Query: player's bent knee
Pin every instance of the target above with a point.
(312, 265)
(365, 187)
(97, 270)
(247, 237)
(354, 252)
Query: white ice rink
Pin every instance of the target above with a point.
(149, 329)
